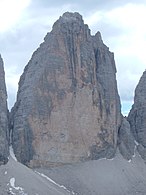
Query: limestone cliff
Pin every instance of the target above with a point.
(4, 152)
(126, 142)
(137, 116)
(68, 107)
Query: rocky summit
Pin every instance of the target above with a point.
(68, 107)
(137, 116)
(4, 135)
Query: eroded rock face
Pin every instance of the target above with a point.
(126, 142)
(68, 107)
(4, 151)
(137, 116)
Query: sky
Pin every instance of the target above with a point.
(24, 24)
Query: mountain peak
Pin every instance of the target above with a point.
(70, 107)
(71, 16)
(70, 22)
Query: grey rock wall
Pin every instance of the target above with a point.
(126, 142)
(4, 134)
(137, 116)
(68, 107)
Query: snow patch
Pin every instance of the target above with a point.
(102, 159)
(11, 192)
(12, 153)
(136, 143)
(110, 159)
(12, 183)
(52, 181)
(135, 151)
(11, 148)
(18, 189)
(5, 172)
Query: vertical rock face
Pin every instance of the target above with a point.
(126, 142)
(137, 116)
(4, 152)
(68, 107)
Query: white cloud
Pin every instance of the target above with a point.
(124, 31)
(129, 15)
(12, 84)
(130, 47)
(10, 12)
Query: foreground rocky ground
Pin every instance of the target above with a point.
(99, 177)
(103, 177)
(16, 179)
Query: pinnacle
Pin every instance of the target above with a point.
(72, 16)
(69, 20)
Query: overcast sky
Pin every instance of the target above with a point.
(23, 25)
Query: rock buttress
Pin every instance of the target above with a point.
(4, 135)
(137, 116)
